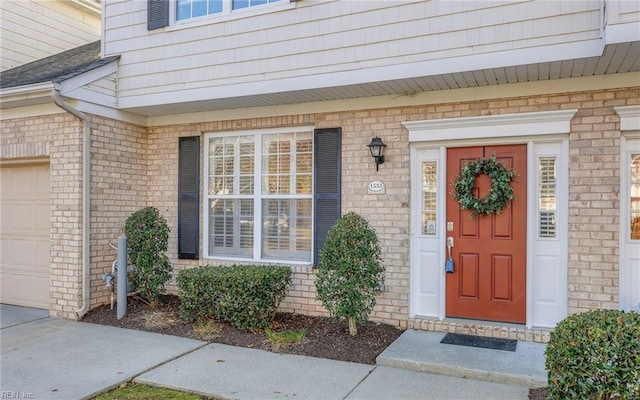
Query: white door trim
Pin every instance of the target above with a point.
(491, 126)
(629, 142)
(434, 137)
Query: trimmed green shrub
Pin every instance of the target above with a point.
(595, 355)
(245, 295)
(147, 241)
(350, 270)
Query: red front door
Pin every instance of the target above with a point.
(489, 251)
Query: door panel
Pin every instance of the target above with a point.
(489, 279)
(502, 276)
(468, 278)
(24, 235)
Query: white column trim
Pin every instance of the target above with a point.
(531, 224)
(629, 117)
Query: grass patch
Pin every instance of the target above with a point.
(207, 329)
(138, 391)
(286, 337)
(158, 320)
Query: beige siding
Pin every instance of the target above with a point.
(106, 86)
(34, 29)
(318, 37)
(623, 11)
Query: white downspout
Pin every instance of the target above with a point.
(86, 198)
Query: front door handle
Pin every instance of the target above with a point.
(448, 265)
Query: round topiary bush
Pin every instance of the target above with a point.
(147, 241)
(350, 270)
(595, 355)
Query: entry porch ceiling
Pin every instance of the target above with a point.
(617, 58)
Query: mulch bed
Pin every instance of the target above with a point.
(324, 338)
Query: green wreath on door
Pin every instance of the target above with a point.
(500, 194)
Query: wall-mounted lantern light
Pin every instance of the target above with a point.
(376, 147)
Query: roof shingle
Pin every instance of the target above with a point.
(56, 68)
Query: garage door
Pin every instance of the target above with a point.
(24, 235)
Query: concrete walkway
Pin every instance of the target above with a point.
(46, 358)
(422, 351)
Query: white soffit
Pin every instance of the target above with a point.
(491, 126)
(629, 117)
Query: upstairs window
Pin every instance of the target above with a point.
(187, 9)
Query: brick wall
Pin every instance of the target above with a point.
(594, 186)
(119, 171)
(58, 137)
(133, 167)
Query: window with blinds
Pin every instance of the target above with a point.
(429, 197)
(287, 167)
(231, 209)
(547, 196)
(264, 179)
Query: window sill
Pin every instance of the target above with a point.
(240, 260)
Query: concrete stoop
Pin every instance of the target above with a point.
(422, 352)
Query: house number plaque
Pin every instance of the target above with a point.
(376, 187)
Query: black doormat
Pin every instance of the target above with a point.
(479, 341)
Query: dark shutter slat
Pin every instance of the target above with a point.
(327, 170)
(157, 14)
(188, 197)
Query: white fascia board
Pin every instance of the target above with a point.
(472, 62)
(622, 33)
(629, 117)
(491, 126)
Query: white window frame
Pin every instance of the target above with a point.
(257, 196)
(227, 13)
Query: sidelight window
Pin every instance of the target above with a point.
(634, 193)
(429, 197)
(547, 196)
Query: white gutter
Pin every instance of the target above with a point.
(26, 89)
(21, 96)
(86, 199)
